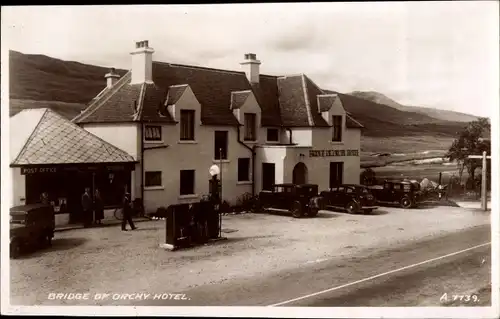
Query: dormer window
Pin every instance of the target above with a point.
(250, 127)
(337, 128)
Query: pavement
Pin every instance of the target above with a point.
(105, 260)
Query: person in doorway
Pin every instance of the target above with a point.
(44, 198)
(87, 207)
(127, 213)
(98, 207)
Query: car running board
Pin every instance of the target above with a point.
(277, 209)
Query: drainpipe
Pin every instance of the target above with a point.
(289, 130)
(251, 149)
(142, 162)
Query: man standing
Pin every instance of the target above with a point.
(127, 213)
(87, 208)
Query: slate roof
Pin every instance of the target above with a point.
(239, 98)
(55, 140)
(326, 102)
(289, 101)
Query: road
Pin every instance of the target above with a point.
(418, 274)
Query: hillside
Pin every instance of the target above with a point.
(71, 84)
(384, 121)
(42, 78)
(431, 112)
(68, 110)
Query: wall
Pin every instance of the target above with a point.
(197, 155)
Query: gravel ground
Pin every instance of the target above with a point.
(106, 260)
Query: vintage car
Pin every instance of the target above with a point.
(350, 197)
(31, 226)
(405, 193)
(299, 199)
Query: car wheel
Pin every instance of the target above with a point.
(297, 210)
(352, 207)
(406, 202)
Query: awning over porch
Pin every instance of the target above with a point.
(43, 137)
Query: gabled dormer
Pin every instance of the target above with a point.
(174, 93)
(325, 104)
(248, 113)
(185, 109)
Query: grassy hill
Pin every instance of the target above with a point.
(431, 112)
(68, 110)
(42, 78)
(66, 86)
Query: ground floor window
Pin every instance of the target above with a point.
(336, 173)
(243, 169)
(187, 182)
(152, 179)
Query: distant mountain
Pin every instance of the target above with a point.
(432, 112)
(66, 87)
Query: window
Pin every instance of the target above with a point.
(349, 190)
(243, 169)
(272, 135)
(336, 174)
(187, 182)
(220, 145)
(152, 179)
(187, 125)
(337, 128)
(152, 133)
(250, 127)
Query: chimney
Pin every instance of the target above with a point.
(251, 66)
(111, 78)
(142, 63)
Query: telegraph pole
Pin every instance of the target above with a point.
(484, 191)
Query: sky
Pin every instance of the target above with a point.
(436, 54)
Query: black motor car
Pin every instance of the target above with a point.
(31, 225)
(299, 199)
(405, 193)
(352, 198)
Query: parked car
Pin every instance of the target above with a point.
(350, 197)
(301, 200)
(405, 193)
(31, 225)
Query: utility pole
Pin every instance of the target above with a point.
(484, 191)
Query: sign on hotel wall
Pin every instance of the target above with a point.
(331, 153)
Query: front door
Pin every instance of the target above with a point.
(336, 174)
(300, 174)
(268, 176)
